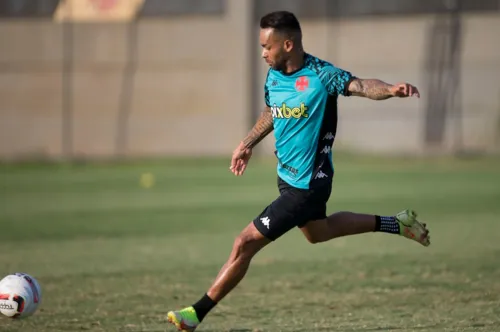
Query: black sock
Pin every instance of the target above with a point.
(386, 225)
(203, 306)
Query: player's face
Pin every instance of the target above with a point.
(275, 48)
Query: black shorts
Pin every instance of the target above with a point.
(293, 208)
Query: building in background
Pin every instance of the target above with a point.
(115, 78)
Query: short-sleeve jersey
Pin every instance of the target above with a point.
(304, 110)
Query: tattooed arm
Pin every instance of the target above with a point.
(243, 152)
(378, 90)
(261, 129)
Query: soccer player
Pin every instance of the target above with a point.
(301, 94)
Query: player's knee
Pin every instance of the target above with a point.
(315, 238)
(243, 247)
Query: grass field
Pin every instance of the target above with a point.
(114, 256)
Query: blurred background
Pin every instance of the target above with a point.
(90, 79)
(117, 123)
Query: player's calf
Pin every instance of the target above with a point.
(349, 223)
(248, 243)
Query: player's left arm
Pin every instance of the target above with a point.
(340, 82)
(378, 90)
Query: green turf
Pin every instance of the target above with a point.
(113, 256)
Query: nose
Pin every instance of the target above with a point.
(264, 54)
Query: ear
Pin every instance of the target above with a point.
(288, 45)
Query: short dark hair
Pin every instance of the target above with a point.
(281, 21)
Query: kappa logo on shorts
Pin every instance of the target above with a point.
(265, 221)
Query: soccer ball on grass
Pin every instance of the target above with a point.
(20, 295)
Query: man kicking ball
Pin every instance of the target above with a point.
(301, 94)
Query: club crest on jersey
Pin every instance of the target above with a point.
(301, 83)
(286, 112)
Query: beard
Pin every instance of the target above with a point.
(280, 62)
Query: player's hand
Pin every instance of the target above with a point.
(403, 90)
(239, 161)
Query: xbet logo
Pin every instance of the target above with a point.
(285, 112)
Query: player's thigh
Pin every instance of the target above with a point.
(289, 210)
(316, 228)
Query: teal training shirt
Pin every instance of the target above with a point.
(304, 110)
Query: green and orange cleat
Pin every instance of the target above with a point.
(413, 229)
(185, 320)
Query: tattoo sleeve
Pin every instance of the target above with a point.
(370, 88)
(261, 129)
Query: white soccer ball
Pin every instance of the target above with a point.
(20, 295)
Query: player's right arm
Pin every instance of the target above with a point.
(243, 152)
(262, 128)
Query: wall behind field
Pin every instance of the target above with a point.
(191, 84)
(152, 87)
